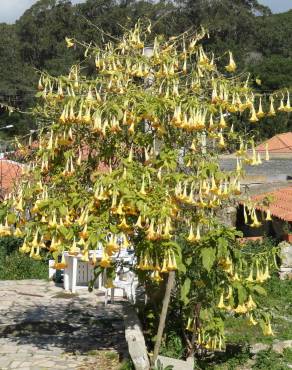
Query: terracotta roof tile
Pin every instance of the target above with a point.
(281, 143)
(9, 173)
(281, 205)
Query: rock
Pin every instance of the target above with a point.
(5, 362)
(255, 348)
(286, 254)
(15, 364)
(247, 366)
(135, 339)
(286, 260)
(279, 346)
(175, 363)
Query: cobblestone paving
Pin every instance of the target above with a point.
(42, 327)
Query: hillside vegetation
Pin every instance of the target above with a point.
(260, 41)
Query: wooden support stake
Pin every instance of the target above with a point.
(166, 299)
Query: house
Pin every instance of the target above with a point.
(273, 177)
(10, 171)
(281, 211)
(279, 145)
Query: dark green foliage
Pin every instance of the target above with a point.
(173, 346)
(15, 266)
(260, 41)
(269, 360)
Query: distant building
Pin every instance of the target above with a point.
(279, 145)
(10, 171)
(273, 177)
(281, 212)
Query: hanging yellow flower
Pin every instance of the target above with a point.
(69, 42)
(267, 330)
(231, 67)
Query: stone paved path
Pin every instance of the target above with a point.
(42, 327)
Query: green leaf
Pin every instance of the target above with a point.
(259, 289)
(241, 294)
(208, 257)
(63, 231)
(204, 314)
(178, 257)
(62, 210)
(11, 218)
(188, 261)
(184, 291)
(70, 234)
(222, 247)
(55, 255)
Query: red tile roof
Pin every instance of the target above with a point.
(281, 205)
(10, 171)
(281, 143)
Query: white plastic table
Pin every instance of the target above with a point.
(73, 274)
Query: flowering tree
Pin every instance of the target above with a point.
(131, 152)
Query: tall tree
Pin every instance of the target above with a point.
(157, 124)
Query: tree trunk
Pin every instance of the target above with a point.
(166, 299)
(197, 325)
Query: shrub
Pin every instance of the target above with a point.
(14, 266)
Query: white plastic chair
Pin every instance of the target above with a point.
(125, 279)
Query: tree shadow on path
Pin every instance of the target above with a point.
(71, 325)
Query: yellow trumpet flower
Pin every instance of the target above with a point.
(231, 67)
(288, 105)
(251, 320)
(240, 309)
(164, 265)
(105, 260)
(268, 216)
(156, 276)
(230, 290)
(272, 111)
(142, 190)
(250, 303)
(259, 159)
(123, 224)
(74, 250)
(5, 229)
(60, 265)
(191, 237)
(150, 233)
(25, 247)
(245, 215)
(85, 256)
(222, 123)
(250, 276)
(221, 143)
(281, 107)
(255, 223)
(190, 325)
(266, 274)
(267, 152)
(267, 330)
(171, 262)
(69, 42)
(35, 240)
(260, 112)
(18, 233)
(139, 222)
(253, 117)
(221, 302)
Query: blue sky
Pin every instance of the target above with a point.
(10, 10)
